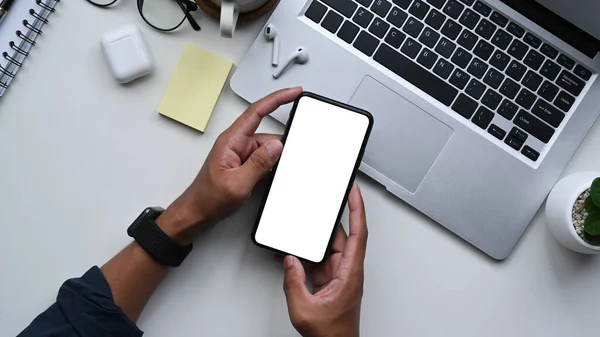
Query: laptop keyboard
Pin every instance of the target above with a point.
(468, 57)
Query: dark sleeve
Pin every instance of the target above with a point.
(84, 307)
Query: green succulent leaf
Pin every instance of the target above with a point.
(591, 225)
(595, 192)
(590, 206)
(593, 240)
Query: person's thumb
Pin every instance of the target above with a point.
(261, 162)
(294, 282)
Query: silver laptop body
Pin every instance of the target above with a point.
(453, 137)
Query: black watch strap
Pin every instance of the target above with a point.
(154, 241)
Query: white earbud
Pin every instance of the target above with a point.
(300, 56)
(271, 34)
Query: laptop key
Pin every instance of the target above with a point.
(482, 8)
(443, 68)
(397, 17)
(437, 3)
(379, 27)
(435, 19)
(526, 99)
(413, 73)
(451, 29)
(469, 18)
(570, 83)
(499, 19)
(493, 78)
(395, 38)
(429, 37)
(516, 70)
(532, 40)
(515, 30)
(365, 3)
(491, 99)
(566, 61)
(366, 43)
(411, 48)
(467, 2)
(363, 17)
(510, 88)
(427, 58)
(564, 101)
(316, 11)
(499, 60)
(501, 39)
(519, 134)
(547, 113)
(453, 8)
(548, 91)
(532, 81)
(530, 153)
(550, 70)
(348, 32)
(465, 106)
(467, 39)
(497, 131)
(445, 47)
(485, 29)
(332, 21)
(534, 126)
(534, 60)
(413, 27)
(346, 7)
(518, 49)
(380, 7)
(508, 109)
(459, 78)
(484, 50)
(477, 68)
(549, 51)
(483, 117)
(403, 3)
(475, 89)
(582, 72)
(513, 142)
(461, 58)
(419, 9)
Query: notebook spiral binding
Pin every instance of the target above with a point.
(24, 41)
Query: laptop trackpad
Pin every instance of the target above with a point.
(405, 141)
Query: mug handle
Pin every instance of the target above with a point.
(229, 17)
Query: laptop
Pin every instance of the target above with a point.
(478, 105)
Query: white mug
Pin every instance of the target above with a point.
(231, 9)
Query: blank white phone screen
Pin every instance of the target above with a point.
(314, 171)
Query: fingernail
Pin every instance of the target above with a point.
(288, 262)
(274, 148)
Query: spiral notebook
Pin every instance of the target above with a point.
(18, 32)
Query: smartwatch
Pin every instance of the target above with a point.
(154, 241)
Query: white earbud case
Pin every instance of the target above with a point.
(127, 53)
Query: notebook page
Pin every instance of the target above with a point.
(12, 23)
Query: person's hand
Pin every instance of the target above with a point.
(334, 308)
(238, 160)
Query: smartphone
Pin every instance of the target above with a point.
(324, 143)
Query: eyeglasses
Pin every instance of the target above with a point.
(162, 15)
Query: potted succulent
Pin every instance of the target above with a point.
(573, 212)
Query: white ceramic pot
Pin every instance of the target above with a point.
(230, 10)
(559, 209)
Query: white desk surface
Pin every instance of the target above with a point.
(81, 156)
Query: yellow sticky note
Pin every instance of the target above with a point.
(195, 87)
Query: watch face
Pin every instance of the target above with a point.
(154, 212)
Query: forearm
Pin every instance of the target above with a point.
(133, 275)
